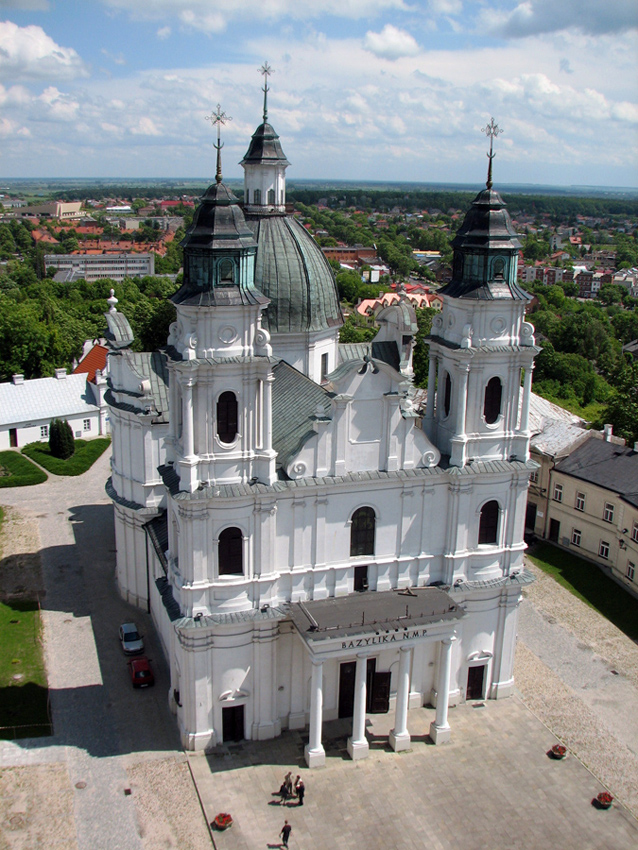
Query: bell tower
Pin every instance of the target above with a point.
(220, 359)
(481, 348)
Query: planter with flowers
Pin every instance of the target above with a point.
(222, 821)
(558, 751)
(604, 800)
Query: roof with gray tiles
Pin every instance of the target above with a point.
(605, 464)
(45, 399)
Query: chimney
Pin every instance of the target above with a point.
(18, 380)
(60, 374)
(607, 431)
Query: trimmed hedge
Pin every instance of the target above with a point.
(85, 455)
(17, 471)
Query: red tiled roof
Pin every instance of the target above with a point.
(95, 359)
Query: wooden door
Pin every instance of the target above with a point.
(233, 723)
(475, 680)
(379, 702)
(530, 516)
(554, 530)
(13, 438)
(346, 688)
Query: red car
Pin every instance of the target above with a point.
(141, 673)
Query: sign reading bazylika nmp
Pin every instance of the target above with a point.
(365, 620)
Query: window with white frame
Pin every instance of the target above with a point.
(634, 533)
(631, 570)
(534, 477)
(580, 502)
(576, 536)
(603, 549)
(44, 432)
(608, 512)
(87, 425)
(558, 493)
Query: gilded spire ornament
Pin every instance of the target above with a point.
(266, 70)
(217, 118)
(492, 130)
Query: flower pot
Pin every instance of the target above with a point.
(222, 821)
(604, 800)
(558, 751)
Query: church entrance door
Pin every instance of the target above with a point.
(233, 723)
(379, 694)
(346, 686)
(475, 679)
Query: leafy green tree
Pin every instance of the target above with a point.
(622, 408)
(421, 353)
(353, 330)
(61, 440)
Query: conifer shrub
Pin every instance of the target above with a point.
(61, 440)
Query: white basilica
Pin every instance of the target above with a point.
(309, 546)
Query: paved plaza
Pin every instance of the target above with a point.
(493, 786)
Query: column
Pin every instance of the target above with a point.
(429, 404)
(459, 440)
(358, 744)
(527, 390)
(440, 728)
(188, 439)
(399, 736)
(314, 752)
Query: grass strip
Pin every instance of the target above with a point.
(85, 455)
(24, 694)
(590, 584)
(17, 471)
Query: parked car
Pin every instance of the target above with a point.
(131, 639)
(141, 672)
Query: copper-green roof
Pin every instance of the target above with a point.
(292, 271)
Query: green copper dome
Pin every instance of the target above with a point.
(292, 271)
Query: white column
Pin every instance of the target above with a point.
(527, 390)
(314, 752)
(440, 728)
(399, 736)
(459, 440)
(358, 747)
(188, 439)
(429, 404)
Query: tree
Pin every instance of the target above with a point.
(420, 357)
(61, 441)
(622, 409)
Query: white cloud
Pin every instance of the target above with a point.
(26, 5)
(118, 58)
(391, 43)
(197, 14)
(145, 127)
(535, 17)
(163, 33)
(57, 106)
(29, 53)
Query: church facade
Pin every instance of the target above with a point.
(309, 546)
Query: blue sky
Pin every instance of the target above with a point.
(361, 89)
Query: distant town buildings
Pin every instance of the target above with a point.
(97, 266)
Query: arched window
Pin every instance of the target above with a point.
(227, 417)
(257, 196)
(488, 524)
(362, 532)
(230, 552)
(226, 272)
(492, 406)
(271, 196)
(447, 394)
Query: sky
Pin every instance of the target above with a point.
(390, 90)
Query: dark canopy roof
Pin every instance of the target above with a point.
(265, 147)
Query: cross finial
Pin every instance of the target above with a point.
(492, 130)
(266, 70)
(217, 118)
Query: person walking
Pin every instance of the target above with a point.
(285, 833)
(300, 788)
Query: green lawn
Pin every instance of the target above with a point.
(589, 583)
(86, 453)
(17, 471)
(24, 695)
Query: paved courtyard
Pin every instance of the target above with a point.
(492, 786)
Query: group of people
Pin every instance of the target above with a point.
(291, 789)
